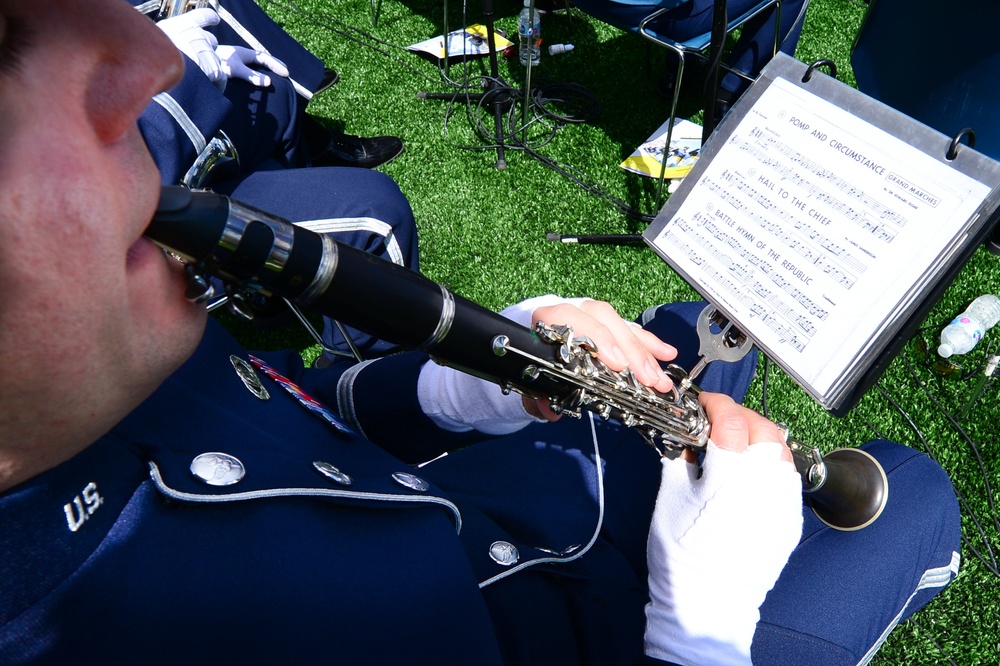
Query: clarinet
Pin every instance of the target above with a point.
(252, 251)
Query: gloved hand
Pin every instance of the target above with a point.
(236, 60)
(718, 541)
(188, 34)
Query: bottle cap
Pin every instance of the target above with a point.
(945, 350)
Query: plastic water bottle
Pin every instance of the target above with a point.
(965, 330)
(529, 29)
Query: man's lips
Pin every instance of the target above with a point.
(140, 251)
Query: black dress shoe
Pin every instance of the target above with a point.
(356, 151)
(993, 242)
(725, 99)
(330, 77)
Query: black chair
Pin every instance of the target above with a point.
(634, 16)
(938, 64)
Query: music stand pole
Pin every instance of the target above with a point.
(495, 87)
(718, 41)
(595, 239)
(498, 94)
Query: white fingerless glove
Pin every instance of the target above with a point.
(188, 34)
(459, 402)
(716, 546)
(235, 61)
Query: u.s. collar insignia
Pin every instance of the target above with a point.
(249, 377)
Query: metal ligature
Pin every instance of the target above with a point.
(256, 253)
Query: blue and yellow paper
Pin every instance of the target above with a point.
(470, 42)
(685, 146)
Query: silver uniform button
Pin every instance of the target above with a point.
(217, 469)
(410, 481)
(504, 553)
(331, 472)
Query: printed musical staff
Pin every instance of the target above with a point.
(757, 262)
(845, 275)
(800, 165)
(818, 222)
(740, 277)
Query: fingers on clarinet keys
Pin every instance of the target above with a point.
(847, 489)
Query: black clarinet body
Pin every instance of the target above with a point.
(251, 250)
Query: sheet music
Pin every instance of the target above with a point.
(813, 228)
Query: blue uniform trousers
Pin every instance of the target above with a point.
(358, 207)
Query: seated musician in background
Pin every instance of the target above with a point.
(258, 101)
(165, 497)
(254, 84)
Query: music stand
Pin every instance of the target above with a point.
(498, 95)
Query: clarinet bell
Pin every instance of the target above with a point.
(852, 493)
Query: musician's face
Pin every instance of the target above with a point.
(91, 315)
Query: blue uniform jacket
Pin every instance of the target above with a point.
(523, 549)
(517, 550)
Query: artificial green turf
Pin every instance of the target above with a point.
(482, 233)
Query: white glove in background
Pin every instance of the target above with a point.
(188, 34)
(235, 61)
(716, 546)
(219, 63)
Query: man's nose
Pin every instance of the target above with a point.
(135, 61)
